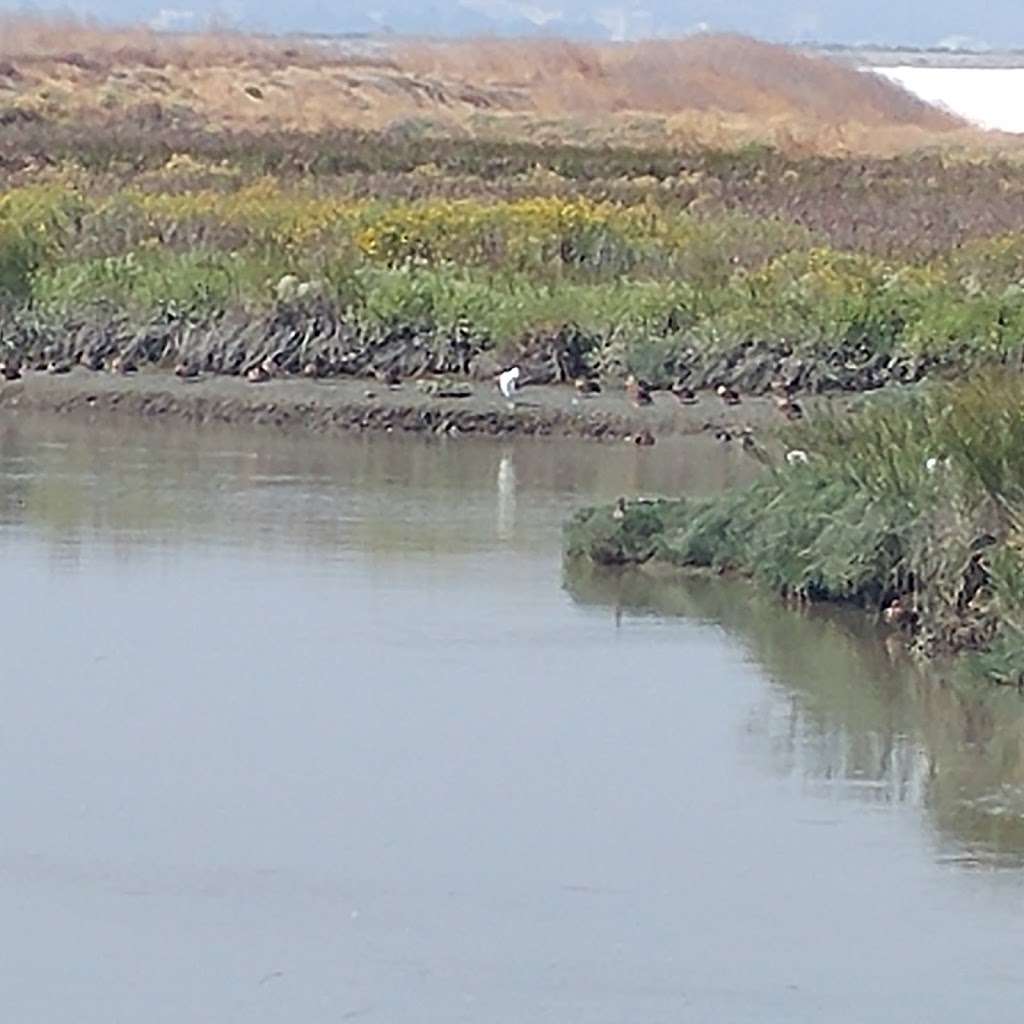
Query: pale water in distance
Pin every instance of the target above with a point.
(989, 97)
(309, 730)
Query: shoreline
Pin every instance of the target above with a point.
(342, 405)
(639, 541)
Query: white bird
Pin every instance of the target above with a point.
(508, 382)
(287, 288)
(934, 463)
(797, 457)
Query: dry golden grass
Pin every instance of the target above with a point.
(721, 73)
(705, 90)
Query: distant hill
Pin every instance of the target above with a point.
(907, 22)
(708, 88)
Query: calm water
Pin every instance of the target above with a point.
(316, 731)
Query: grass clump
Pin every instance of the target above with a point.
(913, 508)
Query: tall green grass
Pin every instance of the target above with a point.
(871, 518)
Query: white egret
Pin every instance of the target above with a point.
(797, 457)
(508, 383)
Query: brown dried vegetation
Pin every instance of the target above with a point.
(706, 90)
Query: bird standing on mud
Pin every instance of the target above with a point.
(730, 396)
(186, 369)
(792, 410)
(637, 392)
(508, 383)
(11, 368)
(123, 364)
(683, 394)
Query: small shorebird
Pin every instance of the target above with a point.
(638, 392)
(122, 365)
(508, 384)
(644, 439)
(585, 386)
(262, 372)
(789, 408)
(896, 613)
(728, 395)
(684, 395)
(187, 369)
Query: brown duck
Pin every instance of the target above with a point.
(123, 365)
(637, 392)
(789, 408)
(896, 613)
(262, 372)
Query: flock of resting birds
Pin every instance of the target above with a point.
(640, 394)
(509, 382)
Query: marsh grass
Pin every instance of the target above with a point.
(660, 291)
(706, 90)
(869, 519)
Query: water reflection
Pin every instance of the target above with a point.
(386, 496)
(844, 717)
(848, 717)
(319, 711)
(506, 497)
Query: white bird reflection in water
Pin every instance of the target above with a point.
(506, 497)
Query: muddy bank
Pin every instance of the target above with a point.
(313, 339)
(342, 405)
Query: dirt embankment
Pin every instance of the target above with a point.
(342, 405)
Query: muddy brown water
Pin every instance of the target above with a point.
(315, 730)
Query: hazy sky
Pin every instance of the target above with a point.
(997, 23)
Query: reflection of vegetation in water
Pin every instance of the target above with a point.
(851, 715)
(913, 504)
(134, 484)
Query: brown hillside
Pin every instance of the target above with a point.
(727, 73)
(717, 89)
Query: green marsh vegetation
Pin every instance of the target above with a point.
(913, 508)
(707, 266)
